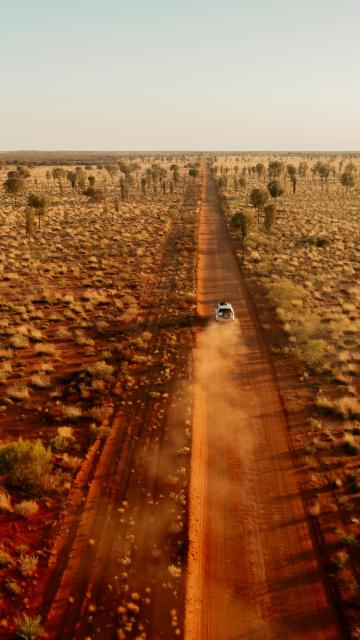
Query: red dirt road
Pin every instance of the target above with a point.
(253, 570)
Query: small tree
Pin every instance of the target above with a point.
(347, 180)
(269, 216)
(15, 185)
(260, 170)
(71, 178)
(193, 173)
(258, 198)
(323, 171)
(303, 169)
(95, 194)
(58, 173)
(116, 205)
(40, 203)
(124, 189)
(275, 169)
(112, 170)
(275, 189)
(242, 223)
(29, 222)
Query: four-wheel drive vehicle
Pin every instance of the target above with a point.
(224, 311)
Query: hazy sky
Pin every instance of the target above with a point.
(180, 74)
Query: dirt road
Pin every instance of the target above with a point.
(253, 570)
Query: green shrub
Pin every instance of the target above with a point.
(64, 436)
(25, 463)
(283, 294)
(27, 627)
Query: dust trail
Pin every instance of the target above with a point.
(252, 571)
(221, 424)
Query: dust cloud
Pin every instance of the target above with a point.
(223, 507)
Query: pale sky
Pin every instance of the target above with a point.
(180, 74)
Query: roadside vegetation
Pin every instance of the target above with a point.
(294, 221)
(85, 268)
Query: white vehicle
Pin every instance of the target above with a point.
(224, 311)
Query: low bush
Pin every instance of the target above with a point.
(40, 382)
(99, 413)
(17, 392)
(71, 412)
(5, 559)
(324, 404)
(5, 501)
(25, 463)
(26, 508)
(351, 445)
(45, 348)
(28, 627)
(348, 407)
(28, 565)
(100, 369)
(283, 294)
(314, 351)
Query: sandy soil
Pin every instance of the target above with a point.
(253, 569)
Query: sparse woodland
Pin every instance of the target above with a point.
(97, 277)
(295, 223)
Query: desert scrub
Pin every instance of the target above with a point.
(28, 627)
(40, 382)
(71, 411)
(285, 294)
(63, 438)
(83, 340)
(25, 463)
(26, 508)
(351, 444)
(35, 335)
(28, 565)
(5, 501)
(45, 348)
(98, 432)
(347, 407)
(6, 354)
(12, 587)
(71, 462)
(17, 392)
(5, 559)
(313, 352)
(324, 404)
(19, 342)
(341, 558)
(99, 413)
(100, 370)
(174, 571)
